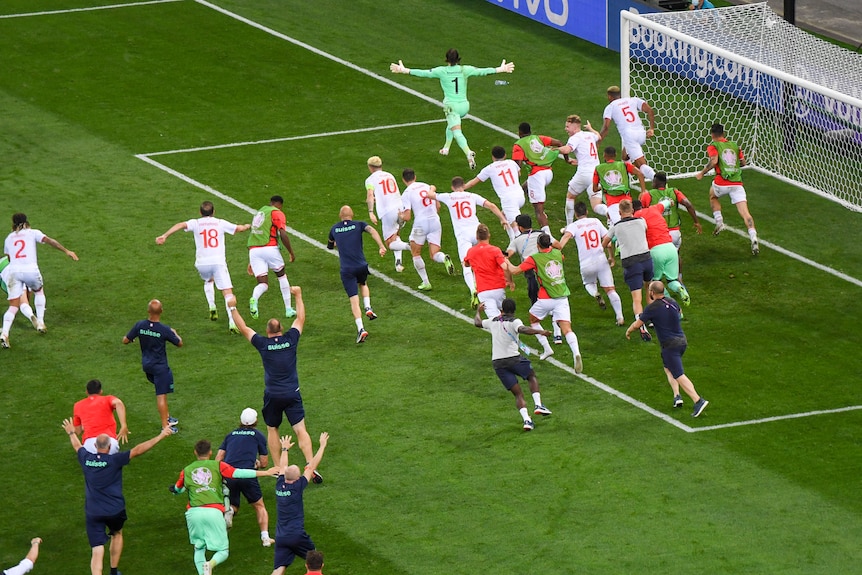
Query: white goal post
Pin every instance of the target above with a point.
(792, 101)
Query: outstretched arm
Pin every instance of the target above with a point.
(55, 244)
(534, 331)
(174, 228)
(505, 67)
(285, 239)
(588, 127)
(237, 318)
(651, 116)
(315, 461)
(376, 236)
(606, 126)
(636, 325)
(299, 322)
(142, 448)
(471, 183)
(123, 434)
(713, 162)
(496, 211)
(69, 428)
(693, 213)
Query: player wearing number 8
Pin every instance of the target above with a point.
(415, 203)
(624, 113)
(210, 254)
(453, 79)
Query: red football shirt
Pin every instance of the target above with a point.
(486, 260)
(656, 232)
(96, 415)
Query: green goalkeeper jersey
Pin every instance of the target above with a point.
(453, 79)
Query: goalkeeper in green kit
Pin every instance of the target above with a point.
(453, 80)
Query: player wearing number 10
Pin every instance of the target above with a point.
(453, 80)
(210, 254)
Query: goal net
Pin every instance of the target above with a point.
(791, 101)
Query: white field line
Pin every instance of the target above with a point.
(396, 284)
(423, 297)
(292, 138)
(777, 418)
(88, 9)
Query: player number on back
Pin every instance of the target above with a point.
(210, 238)
(508, 178)
(629, 115)
(389, 186)
(593, 153)
(455, 81)
(21, 245)
(463, 210)
(426, 201)
(591, 239)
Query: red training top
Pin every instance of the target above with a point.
(656, 231)
(486, 260)
(95, 413)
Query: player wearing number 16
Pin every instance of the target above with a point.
(462, 209)
(453, 79)
(210, 254)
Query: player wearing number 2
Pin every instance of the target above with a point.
(584, 144)
(23, 272)
(415, 203)
(462, 209)
(503, 174)
(210, 254)
(624, 113)
(453, 79)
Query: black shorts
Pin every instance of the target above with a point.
(352, 278)
(638, 273)
(508, 370)
(287, 548)
(250, 488)
(274, 408)
(532, 286)
(671, 357)
(162, 380)
(101, 528)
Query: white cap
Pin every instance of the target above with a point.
(248, 416)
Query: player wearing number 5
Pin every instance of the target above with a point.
(382, 193)
(210, 254)
(453, 79)
(503, 174)
(624, 113)
(462, 209)
(23, 273)
(426, 225)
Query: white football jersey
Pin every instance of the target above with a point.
(504, 176)
(624, 113)
(462, 208)
(588, 234)
(387, 198)
(415, 198)
(20, 246)
(585, 147)
(209, 239)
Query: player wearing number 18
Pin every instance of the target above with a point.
(453, 79)
(210, 254)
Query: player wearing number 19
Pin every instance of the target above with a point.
(210, 254)
(453, 79)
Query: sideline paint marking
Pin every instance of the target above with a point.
(89, 9)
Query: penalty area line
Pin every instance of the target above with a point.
(777, 418)
(396, 284)
(86, 9)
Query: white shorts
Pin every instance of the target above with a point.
(427, 229)
(633, 144)
(676, 236)
(464, 244)
(19, 280)
(265, 258)
(25, 566)
(580, 182)
(536, 185)
(737, 193)
(90, 445)
(511, 206)
(597, 270)
(493, 300)
(614, 213)
(557, 308)
(389, 224)
(217, 272)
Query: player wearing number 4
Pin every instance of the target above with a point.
(462, 209)
(210, 254)
(426, 225)
(727, 159)
(584, 145)
(382, 193)
(453, 79)
(624, 113)
(503, 174)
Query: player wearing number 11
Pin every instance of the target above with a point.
(453, 80)
(504, 176)
(210, 254)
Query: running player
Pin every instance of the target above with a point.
(625, 114)
(267, 226)
(537, 153)
(210, 255)
(415, 203)
(453, 79)
(612, 178)
(584, 145)
(503, 174)
(671, 215)
(382, 193)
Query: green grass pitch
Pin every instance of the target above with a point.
(427, 471)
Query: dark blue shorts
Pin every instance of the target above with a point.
(100, 528)
(352, 278)
(287, 548)
(638, 273)
(248, 487)
(672, 359)
(276, 407)
(162, 380)
(510, 368)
